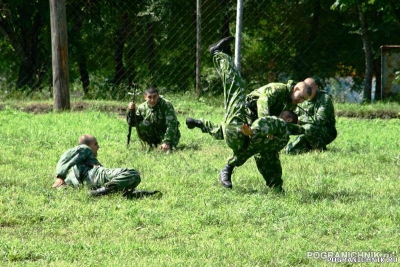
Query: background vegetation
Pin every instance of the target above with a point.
(114, 43)
(345, 199)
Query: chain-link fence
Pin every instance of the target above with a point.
(116, 43)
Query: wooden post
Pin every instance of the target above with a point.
(59, 49)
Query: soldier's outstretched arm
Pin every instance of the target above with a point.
(59, 182)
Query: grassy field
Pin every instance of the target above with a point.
(343, 200)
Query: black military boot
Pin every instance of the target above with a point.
(222, 46)
(191, 123)
(225, 176)
(99, 192)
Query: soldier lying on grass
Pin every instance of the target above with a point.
(79, 165)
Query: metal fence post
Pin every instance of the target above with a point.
(238, 39)
(198, 48)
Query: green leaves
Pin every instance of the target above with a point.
(397, 77)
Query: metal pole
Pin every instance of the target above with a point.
(198, 48)
(238, 39)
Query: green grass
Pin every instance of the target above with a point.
(385, 110)
(345, 199)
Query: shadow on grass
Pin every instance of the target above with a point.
(246, 191)
(306, 196)
(251, 191)
(183, 146)
(340, 196)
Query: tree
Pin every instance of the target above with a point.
(376, 27)
(76, 38)
(294, 40)
(369, 65)
(25, 27)
(59, 54)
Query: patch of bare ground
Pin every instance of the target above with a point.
(41, 108)
(120, 109)
(377, 114)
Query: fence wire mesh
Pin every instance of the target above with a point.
(116, 43)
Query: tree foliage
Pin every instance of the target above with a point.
(115, 43)
(25, 28)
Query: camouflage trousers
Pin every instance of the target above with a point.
(215, 130)
(234, 101)
(268, 163)
(114, 179)
(264, 150)
(152, 136)
(314, 138)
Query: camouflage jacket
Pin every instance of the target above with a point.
(271, 99)
(162, 117)
(270, 125)
(81, 160)
(318, 111)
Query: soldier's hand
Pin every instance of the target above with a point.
(246, 130)
(131, 106)
(165, 147)
(59, 182)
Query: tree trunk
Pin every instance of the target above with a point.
(151, 52)
(30, 72)
(369, 63)
(130, 66)
(76, 41)
(225, 30)
(25, 74)
(307, 53)
(198, 48)
(378, 77)
(120, 72)
(84, 73)
(59, 45)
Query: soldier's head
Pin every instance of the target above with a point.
(289, 116)
(301, 92)
(151, 96)
(90, 141)
(314, 87)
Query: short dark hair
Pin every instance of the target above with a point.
(289, 114)
(151, 90)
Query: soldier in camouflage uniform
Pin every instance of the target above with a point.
(206, 126)
(273, 98)
(265, 137)
(269, 100)
(157, 121)
(86, 169)
(317, 117)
